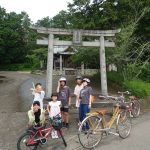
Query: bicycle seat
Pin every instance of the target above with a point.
(38, 127)
(102, 111)
(132, 97)
(124, 106)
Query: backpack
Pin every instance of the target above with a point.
(56, 122)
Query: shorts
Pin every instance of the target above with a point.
(64, 109)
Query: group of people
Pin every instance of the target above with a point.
(60, 101)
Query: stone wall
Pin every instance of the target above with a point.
(75, 72)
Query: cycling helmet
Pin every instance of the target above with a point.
(87, 80)
(62, 79)
(79, 78)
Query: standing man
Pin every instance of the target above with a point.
(65, 98)
(86, 95)
(77, 90)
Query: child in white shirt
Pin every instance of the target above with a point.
(54, 109)
(38, 94)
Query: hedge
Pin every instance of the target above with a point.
(138, 88)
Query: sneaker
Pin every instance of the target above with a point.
(79, 123)
(67, 125)
(64, 124)
(54, 134)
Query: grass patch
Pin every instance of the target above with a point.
(16, 67)
(138, 88)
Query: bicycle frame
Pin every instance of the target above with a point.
(108, 124)
(40, 133)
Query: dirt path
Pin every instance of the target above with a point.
(12, 122)
(9, 97)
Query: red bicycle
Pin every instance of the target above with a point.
(38, 135)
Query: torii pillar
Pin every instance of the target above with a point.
(49, 77)
(104, 89)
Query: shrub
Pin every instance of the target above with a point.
(138, 88)
(145, 74)
(115, 77)
(16, 67)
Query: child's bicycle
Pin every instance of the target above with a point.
(132, 101)
(96, 124)
(32, 138)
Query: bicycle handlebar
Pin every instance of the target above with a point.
(126, 92)
(109, 97)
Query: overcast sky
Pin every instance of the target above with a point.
(36, 9)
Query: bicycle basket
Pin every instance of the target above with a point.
(56, 122)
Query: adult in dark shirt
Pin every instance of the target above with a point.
(85, 99)
(65, 98)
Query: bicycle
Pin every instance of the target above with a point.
(38, 135)
(96, 124)
(133, 102)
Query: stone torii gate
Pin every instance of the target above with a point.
(77, 41)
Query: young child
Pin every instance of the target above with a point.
(38, 94)
(64, 96)
(54, 109)
(36, 115)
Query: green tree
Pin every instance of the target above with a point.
(88, 56)
(45, 22)
(37, 57)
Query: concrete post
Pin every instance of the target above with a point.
(103, 67)
(49, 78)
(82, 69)
(60, 60)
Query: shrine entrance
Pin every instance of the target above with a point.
(77, 41)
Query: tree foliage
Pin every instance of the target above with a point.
(14, 37)
(18, 41)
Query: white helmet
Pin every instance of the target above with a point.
(87, 80)
(62, 79)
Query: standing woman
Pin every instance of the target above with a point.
(85, 99)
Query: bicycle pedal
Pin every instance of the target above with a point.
(43, 141)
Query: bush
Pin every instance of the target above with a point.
(16, 67)
(145, 74)
(115, 77)
(138, 88)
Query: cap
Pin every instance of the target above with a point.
(79, 78)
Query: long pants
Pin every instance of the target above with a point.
(83, 110)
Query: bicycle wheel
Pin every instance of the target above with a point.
(123, 124)
(135, 108)
(22, 142)
(60, 132)
(90, 133)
